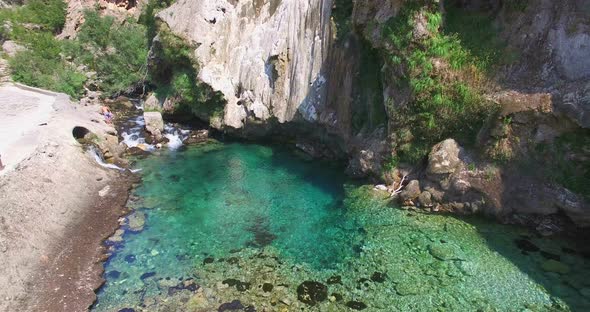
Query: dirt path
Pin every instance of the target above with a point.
(52, 218)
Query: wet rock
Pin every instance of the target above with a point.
(208, 260)
(378, 277)
(198, 136)
(136, 151)
(153, 122)
(526, 245)
(411, 191)
(555, 266)
(336, 279)
(356, 305)
(444, 158)
(231, 306)
(446, 251)
(267, 287)
(311, 292)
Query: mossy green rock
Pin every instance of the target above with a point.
(555, 266)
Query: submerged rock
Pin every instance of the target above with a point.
(378, 277)
(336, 279)
(311, 292)
(136, 221)
(446, 251)
(230, 306)
(356, 305)
(555, 266)
(526, 245)
(267, 287)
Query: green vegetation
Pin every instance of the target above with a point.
(341, 15)
(445, 77)
(566, 162)
(175, 75)
(117, 53)
(41, 64)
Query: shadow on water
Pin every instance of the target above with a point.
(559, 264)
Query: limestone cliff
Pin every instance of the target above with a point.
(319, 67)
(266, 57)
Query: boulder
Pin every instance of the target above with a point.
(444, 158)
(154, 123)
(411, 191)
(11, 48)
(152, 104)
(425, 199)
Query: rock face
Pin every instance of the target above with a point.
(11, 48)
(266, 57)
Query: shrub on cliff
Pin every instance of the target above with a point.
(445, 80)
(117, 53)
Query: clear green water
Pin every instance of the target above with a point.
(251, 223)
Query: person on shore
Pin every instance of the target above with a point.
(106, 112)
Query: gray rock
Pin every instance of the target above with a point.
(425, 199)
(11, 48)
(444, 157)
(152, 104)
(136, 221)
(411, 191)
(154, 122)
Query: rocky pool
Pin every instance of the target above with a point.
(243, 227)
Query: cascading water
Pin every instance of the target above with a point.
(133, 133)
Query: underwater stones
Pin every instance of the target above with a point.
(336, 297)
(130, 258)
(585, 292)
(379, 277)
(230, 306)
(240, 286)
(113, 274)
(136, 221)
(126, 310)
(466, 267)
(208, 260)
(267, 287)
(446, 251)
(147, 275)
(336, 279)
(356, 305)
(311, 292)
(555, 266)
(526, 245)
(405, 288)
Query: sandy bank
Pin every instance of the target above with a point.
(52, 217)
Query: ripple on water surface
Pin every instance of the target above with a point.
(253, 228)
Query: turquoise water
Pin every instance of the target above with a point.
(242, 227)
